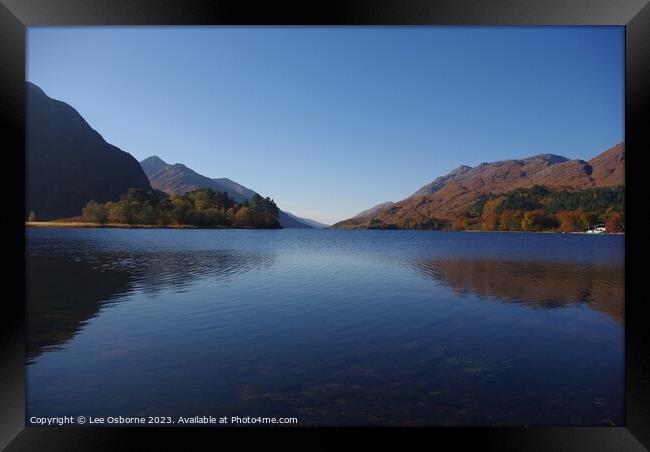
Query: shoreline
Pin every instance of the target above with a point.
(543, 232)
(84, 224)
(470, 230)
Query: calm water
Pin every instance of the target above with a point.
(331, 327)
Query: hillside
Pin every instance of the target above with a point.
(446, 196)
(178, 178)
(69, 163)
(313, 223)
(375, 210)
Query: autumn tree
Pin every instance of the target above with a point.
(95, 212)
(537, 220)
(510, 220)
(614, 224)
(243, 217)
(490, 216)
(264, 211)
(202, 207)
(460, 221)
(570, 220)
(588, 220)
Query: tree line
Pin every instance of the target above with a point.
(417, 221)
(202, 208)
(541, 209)
(529, 209)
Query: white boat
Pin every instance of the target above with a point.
(597, 230)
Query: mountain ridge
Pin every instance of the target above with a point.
(179, 178)
(446, 195)
(69, 163)
(375, 210)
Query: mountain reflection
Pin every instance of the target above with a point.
(65, 289)
(535, 284)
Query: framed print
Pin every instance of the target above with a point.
(325, 219)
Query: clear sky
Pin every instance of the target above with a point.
(330, 121)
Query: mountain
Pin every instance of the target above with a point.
(374, 211)
(69, 163)
(608, 168)
(440, 182)
(236, 191)
(178, 178)
(153, 164)
(288, 220)
(446, 195)
(313, 223)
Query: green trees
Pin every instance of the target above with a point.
(135, 207)
(421, 221)
(203, 207)
(541, 209)
(534, 209)
(180, 209)
(264, 212)
(537, 220)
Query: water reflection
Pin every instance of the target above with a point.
(536, 284)
(333, 328)
(67, 288)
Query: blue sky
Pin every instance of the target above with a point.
(329, 121)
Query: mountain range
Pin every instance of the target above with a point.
(446, 195)
(177, 178)
(69, 163)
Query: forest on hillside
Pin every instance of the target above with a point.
(541, 209)
(529, 209)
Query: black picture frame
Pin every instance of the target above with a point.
(16, 15)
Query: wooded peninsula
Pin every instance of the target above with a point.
(199, 208)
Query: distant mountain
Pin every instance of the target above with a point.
(178, 178)
(153, 164)
(289, 221)
(313, 223)
(236, 191)
(69, 163)
(446, 195)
